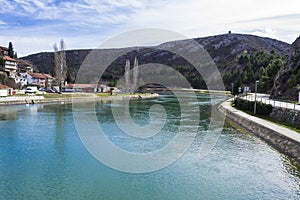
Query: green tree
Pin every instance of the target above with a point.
(15, 55)
(69, 79)
(112, 84)
(10, 50)
(1, 63)
(259, 65)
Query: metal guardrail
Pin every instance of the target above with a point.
(274, 103)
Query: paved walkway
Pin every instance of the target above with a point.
(84, 97)
(20, 98)
(265, 99)
(270, 125)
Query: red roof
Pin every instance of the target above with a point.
(4, 48)
(37, 75)
(9, 59)
(48, 76)
(4, 87)
(24, 62)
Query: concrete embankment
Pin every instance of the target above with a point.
(281, 138)
(18, 100)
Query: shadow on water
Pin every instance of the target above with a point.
(60, 130)
(56, 118)
(52, 181)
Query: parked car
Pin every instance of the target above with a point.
(55, 90)
(68, 90)
(50, 91)
(42, 89)
(31, 89)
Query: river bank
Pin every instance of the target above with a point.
(283, 139)
(69, 98)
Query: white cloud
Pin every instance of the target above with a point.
(267, 32)
(6, 6)
(195, 18)
(2, 23)
(91, 21)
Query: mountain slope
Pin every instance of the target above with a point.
(225, 50)
(287, 80)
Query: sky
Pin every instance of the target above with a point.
(35, 25)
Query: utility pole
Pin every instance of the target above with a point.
(256, 82)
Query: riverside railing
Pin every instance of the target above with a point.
(274, 103)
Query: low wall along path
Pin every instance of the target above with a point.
(281, 138)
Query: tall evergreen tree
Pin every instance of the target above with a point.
(1, 64)
(10, 50)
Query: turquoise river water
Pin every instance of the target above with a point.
(42, 157)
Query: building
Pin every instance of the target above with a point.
(49, 81)
(10, 66)
(21, 80)
(24, 66)
(5, 90)
(38, 79)
(3, 51)
(81, 87)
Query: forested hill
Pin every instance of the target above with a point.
(241, 59)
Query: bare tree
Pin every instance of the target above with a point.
(127, 76)
(135, 74)
(60, 63)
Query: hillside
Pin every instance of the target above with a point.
(287, 80)
(226, 50)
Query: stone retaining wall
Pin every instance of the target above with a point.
(280, 142)
(287, 116)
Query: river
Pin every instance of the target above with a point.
(43, 157)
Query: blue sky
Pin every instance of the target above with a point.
(35, 25)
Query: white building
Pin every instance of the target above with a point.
(5, 90)
(38, 79)
(21, 80)
(35, 79)
(10, 66)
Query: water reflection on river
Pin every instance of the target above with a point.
(42, 157)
